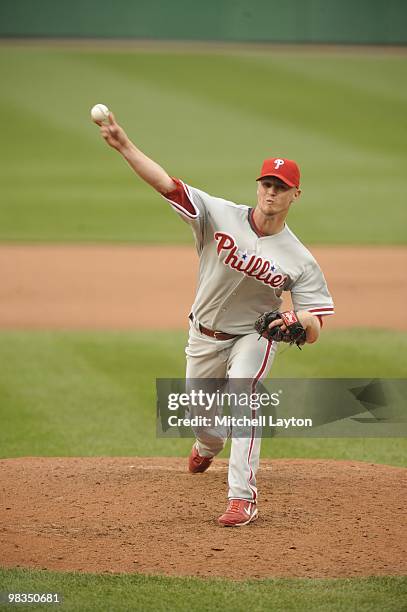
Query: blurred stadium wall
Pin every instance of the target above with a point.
(285, 21)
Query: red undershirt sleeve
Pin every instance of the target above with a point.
(180, 196)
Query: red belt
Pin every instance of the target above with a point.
(218, 335)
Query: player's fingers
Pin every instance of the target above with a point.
(276, 323)
(112, 119)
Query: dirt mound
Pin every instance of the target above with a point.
(317, 518)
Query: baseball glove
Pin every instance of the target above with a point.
(294, 334)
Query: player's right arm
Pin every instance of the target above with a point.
(146, 168)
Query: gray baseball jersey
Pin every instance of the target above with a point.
(242, 273)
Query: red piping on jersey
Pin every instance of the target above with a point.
(253, 225)
(326, 310)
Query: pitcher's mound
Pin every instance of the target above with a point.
(317, 518)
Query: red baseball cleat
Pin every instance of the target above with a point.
(196, 463)
(239, 512)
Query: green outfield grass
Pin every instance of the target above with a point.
(147, 593)
(86, 393)
(210, 118)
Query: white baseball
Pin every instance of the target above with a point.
(99, 112)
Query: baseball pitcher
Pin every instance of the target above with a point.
(247, 258)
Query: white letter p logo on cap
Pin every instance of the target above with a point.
(278, 163)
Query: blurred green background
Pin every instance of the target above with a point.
(209, 117)
(296, 21)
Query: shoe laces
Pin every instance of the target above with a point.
(234, 505)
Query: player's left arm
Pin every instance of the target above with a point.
(311, 324)
(311, 300)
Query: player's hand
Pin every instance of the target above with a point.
(278, 323)
(114, 135)
(304, 317)
(309, 322)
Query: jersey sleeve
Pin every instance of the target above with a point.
(310, 292)
(191, 205)
(181, 201)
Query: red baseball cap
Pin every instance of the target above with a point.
(284, 169)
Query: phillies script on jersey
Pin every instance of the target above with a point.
(253, 265)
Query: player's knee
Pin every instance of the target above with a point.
(213, 442)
